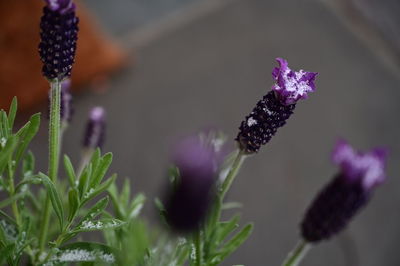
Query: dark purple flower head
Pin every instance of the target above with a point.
(346, 194)
(292, 86)
(275, 108)
(95, 128)
(61, 6)
(58, 37)
(190, 198)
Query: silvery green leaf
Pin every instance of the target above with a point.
(26, 134)
(101, 188)
(136, 206)
(12, 112)
(70, 171)
(101, 169)
(28, 164)
(84, 252)
(232, 245)
(74, 202)
(54, 197)
(6, 152)
(101, 224)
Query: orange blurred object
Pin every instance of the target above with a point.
(20, 66)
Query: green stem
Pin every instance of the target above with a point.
(237, 163)
(197, 245)
(54, 154)
(297, 254)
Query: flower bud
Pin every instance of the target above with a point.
(95, 129)
(58, 37)
(346, 194)
(275, 108)
(192, 193)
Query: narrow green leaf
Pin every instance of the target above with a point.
(6, 125)
(6, 152)
(226, 228)
(95, 211)
(26, 135)
(101, 170)
(74, 202)
(125, 193)
(101, 224)
(234, 243)
(136, 206)
(28, 164)
(11, 199)
(70, 171)
(84, 252)
(8, 228)
(6, 252)
(28, 180)
(84, 180)
(54, 198)
(12, 113)
(101, 188)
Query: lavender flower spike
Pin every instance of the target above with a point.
(190, 198)
(275, 108)
(58, 37)
(95, 129)
(334, 207)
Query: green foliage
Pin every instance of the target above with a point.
(78, 204)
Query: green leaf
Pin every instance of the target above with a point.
(101, 188)
(125, 193)
(6, 252)
(101, 224)
(6, 152)
(11, 199)
(95, 211)
(54, 197)
(26, 135)
(29, 180)
(12, 112)
(84, 180)
(70, 171)
(84, 252)
(74, 202)
(8, 228)
(28, 165)
(136, 206)
(101, 170)
(6, 125)
(233, 244)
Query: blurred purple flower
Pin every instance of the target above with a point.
(61, 6)
(346, 194)
(58, 38)
(191, 196)
(292, 86)
(275, 108)
(95, 129)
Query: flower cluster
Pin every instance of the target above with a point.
(275, 108)
(350, 190)
(59, 35)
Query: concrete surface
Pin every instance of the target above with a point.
(212, 71)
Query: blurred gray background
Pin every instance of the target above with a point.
(200, 63)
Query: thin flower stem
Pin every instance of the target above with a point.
(54, 153)
(297, 254)
(197, 244)
(237, 163)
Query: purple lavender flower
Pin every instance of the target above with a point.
(95, 129)
(333, 208)
(275, 108)
(190, 198)
(59, 34)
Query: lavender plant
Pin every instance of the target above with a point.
(44, 225)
